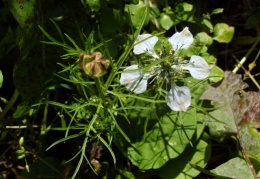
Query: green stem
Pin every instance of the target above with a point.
(99, 88)
(44, 130)
(9, 104)
(243, 60)
(123, 56)
(83, 150)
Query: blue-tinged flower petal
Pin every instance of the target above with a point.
(178, 98)
(181, 40)
(134, 80)
(198, 67)
(146, 46)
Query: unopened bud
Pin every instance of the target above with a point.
(27, 168)
(94, 64)
(21, 141)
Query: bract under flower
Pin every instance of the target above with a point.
(146, 46)
(178, 98)
(198, 67)
(134, 80)
(181, 40)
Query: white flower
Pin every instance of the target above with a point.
(146, 46)
(198, 67)
(181, 40)
(134, 80)
(178, 98)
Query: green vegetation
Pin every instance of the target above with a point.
(129, 89)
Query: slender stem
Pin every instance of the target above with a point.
(123, 56)
(251, 77)
(9, 104)
(99, 88)
(44, 130)
(242, 61)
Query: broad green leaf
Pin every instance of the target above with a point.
(250, 138)
(180, 168)
(208, 24)
(222, 98)
(235, 168)
(1, 79)
(22, 11)
(136, 14)
(240, 114)
(203, 38)
(197, 87)
(216, 74)
(200, 128)
(141, 118)
(223, 33)
(166, 140)
(27, 15)
(186, 11)
(168, 20)
(247, 110)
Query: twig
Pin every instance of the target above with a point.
(22, 127)
(250, 76)
(242, 61)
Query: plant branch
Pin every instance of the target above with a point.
(243, 60)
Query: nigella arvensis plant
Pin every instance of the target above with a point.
(136, 79)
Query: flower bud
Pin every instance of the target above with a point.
(21, 141)
(94, 64)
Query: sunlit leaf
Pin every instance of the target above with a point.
(216, 74)
(223, 33)
(240, 113)
(168, 20)
(180, 167)
(166, 140)
(208, 24)
(136, 14)
(203, 38)
(186, 11)
(247, 110)
(236, 168)
(222, 97)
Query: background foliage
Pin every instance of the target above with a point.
(56, 121)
